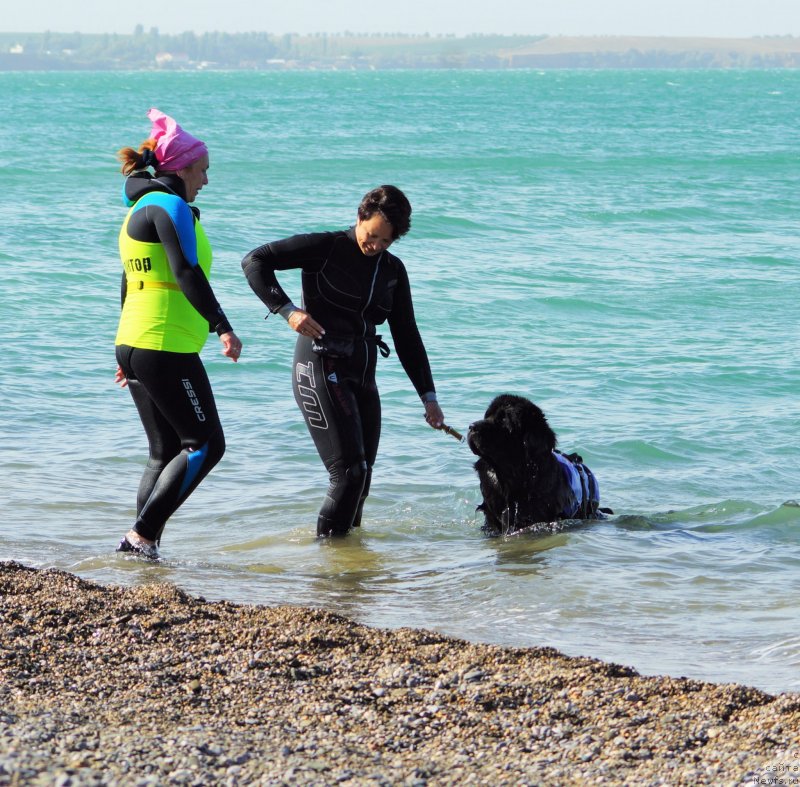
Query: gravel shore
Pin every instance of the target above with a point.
(150, 686)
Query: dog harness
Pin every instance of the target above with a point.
(585, 491)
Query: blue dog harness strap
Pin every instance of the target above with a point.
(575, 485)
(585, 491)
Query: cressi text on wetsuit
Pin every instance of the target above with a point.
(168, 308)
(348, 293)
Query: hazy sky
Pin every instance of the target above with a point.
(734, 18)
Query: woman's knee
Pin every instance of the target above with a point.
(349, 476)
(208, 452)
(216, 447)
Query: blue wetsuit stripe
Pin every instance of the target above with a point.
(180, 214)
(194, 463)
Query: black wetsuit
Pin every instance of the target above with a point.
(333, 378)
(171, 389)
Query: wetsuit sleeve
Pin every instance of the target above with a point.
(173, 224)
(308, 252)
(406, 337)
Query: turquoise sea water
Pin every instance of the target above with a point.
(622, 247)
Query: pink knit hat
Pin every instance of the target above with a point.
(175, 148)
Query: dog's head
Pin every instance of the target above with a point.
(512, 437)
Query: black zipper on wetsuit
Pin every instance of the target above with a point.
(363, 319)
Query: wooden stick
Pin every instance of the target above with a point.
(449, 430)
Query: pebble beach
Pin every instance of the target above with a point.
(105, 685)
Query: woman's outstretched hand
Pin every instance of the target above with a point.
(434, 415)
(231, 345)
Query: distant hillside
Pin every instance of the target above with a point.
(261, 51)
(656, 52)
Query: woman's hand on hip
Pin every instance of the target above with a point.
(231, 345)
(302, 322)
(119, 378)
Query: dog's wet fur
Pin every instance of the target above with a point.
(522, 483)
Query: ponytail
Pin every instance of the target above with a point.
(135, 160)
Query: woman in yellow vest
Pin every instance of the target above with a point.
(168, 310)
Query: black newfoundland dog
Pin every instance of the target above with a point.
(524, 480)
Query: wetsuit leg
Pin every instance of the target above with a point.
(326, 395)
(162, 439)
(369, 405)
(176, 405)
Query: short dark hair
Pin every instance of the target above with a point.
(392, 204)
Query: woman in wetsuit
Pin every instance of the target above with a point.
(351, 283)
(168, 309)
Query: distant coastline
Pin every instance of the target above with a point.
(150, 50)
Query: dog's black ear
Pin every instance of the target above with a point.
(538, 433)
(536, 446)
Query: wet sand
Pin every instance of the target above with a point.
(150, 686)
